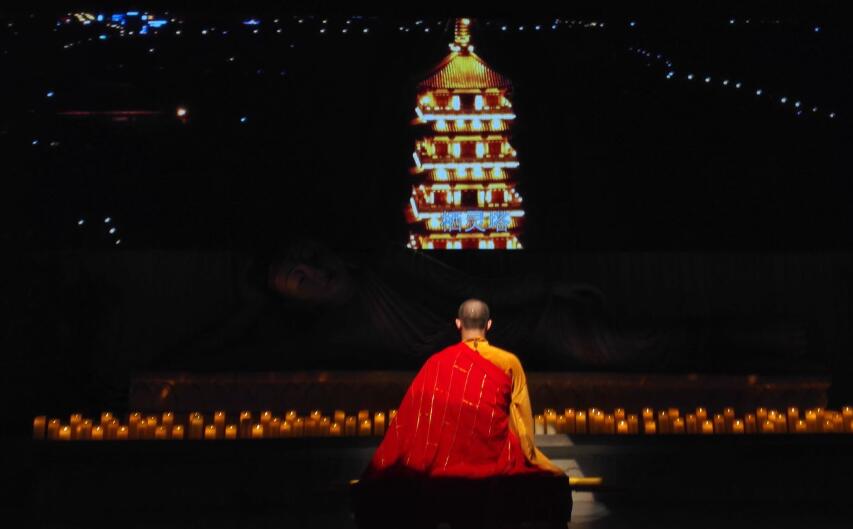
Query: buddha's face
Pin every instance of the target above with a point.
(312, 279)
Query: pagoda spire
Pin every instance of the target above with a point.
(462, 36)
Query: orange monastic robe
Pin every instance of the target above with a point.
(466, 414)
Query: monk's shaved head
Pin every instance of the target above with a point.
(474, 314)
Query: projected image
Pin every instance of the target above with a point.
(465, 197)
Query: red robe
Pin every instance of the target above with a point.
(453, 422)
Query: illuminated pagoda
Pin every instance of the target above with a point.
(464, 196)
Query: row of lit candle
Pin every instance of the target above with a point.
(164, 426)
(670, 421)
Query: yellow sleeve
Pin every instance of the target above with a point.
(521, 420)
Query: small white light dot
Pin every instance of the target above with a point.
(118, 241)
(832, 115)
(725, 82)
(783, 100)
(759, 92)
(81, 222)
(49, 93)
(707, 79)
(690, 77)
(108, 220)
(112, 231)
(797, 104)
(738, 85)
(243, 119)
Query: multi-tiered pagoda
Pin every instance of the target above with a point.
(464, 196)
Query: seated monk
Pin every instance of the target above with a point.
(464, 430)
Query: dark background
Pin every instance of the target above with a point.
(673, 225)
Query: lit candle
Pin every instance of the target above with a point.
(65, 433)
(690, 423)
(196, 425)
(622, 427)
(316, 415)
(663, 422)
(678, 425)
(266, 417)
(619, 414)
(219, 423)
(177, 432)
(550, 421)
(273, 428)
(379, 424)
(598, 421)
(39, 427)
(210, 432)
(561, 424)
(761, 415)
(335, 429)
(323, 426)
(750, 423)
(580, 422)
(793, 417)
(291, 416)
(609, 424)
(258, 431)
(363, 415)
(672, 413)
(98, 433)
(151, 426)
(73, 422)
(231, 432)
(648, 415)
(364, 427)
(539, 425)
(53, 427)
(847, 418)
(106, 417)
(729, 418)
(391, 414)
(122, 433)
(811, 421)
(570, 416)
(133, 421)
(245, 424)
(828, 426)
(84, 430)
(707, 427)
(161, 433)
(781, 423)
(719, 423)
(349, 426)
(142, 430)
(299, 427)
(768, 426)
(340, 416)
(800, 426)
(650, 428)
(701, 414)
(633, 424)
(286, 429)
(737, 426)
(850, 427)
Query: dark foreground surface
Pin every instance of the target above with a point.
(666, 481)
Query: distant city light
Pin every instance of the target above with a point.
(181, 112)
(251, 22)
(81, 222)
(102, 37)
(243, 119)
(49, 93)
(118, 241)
(108, 220)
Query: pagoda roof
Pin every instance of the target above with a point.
(464, 70)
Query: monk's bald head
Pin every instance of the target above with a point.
(474, 315)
